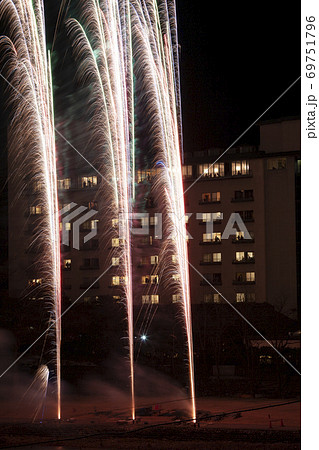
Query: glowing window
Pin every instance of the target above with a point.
(35, 282)
(67, 263)
(155, 298)
(115, 242)
(217, 257)
(240, 168)
(276, 163)
(176, 298)
(68, 226)
(187, 171)
(215, 196)
(154, 259)
(154, 279)
(145, 299)
(154, 220)
(35, 210)
(240, 256)
(207, 257)
(206, 217)
(250, 276)
(64, 184)
(115, 223)
(145, 279)
(115, 261)
(240, 297)
(116, 281)
(89, 181)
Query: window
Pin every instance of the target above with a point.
(211, 298)
(240, 235)
(94, 224)
(207, 257)
(250, 276)
(145, 279)
(276, 163)
(175, 276)
(154, 279)
(176, 298)
(155, 299)
(89, 181)
(174, 259)
(143, 261)
(67, 263)
(240, 168)
(144, 221)
(217, 257)
(147, 174)
(211, 170)
(240, 256)
(240, 297)
(145, 299)
(115, 261)
(115, 223)
(154, 259)
(187, 171)
(250, 256)
(115, 242)
(64, 184)
(216, 298)
(115, 281)
(35, 282)
(35, 210)
(92, 204)
(215, 196)
(67, 226)
(206, 197)
(217, 278)
(206, 217)
(154, 220)
(212, 237)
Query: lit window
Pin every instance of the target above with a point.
(207, 257)
(154, 220)
(154, 259)
(64, 184)
(144, 221)
(155, 298)
(115, 223)
(176, 298)
(115, 261)
(216, 298)
(117, 298)
(240, 297)
(217, 237)
(174, 259)
(115, 242)
(240, 256)
(206, 197)
(145, 299)
(145, 279)
(187, 171)
(215, 196)
(94, 224)
(217, 257)
(115, 281)
(207, 237)
(89, 181)
(175, 276)
(34, 210)
(68, 226)
(186, 218)
(240, 168)
(211, 170)
(208, 298)
(92, 204)
(250, 255)
(250, 276)
(206, 217)
(35, 282)
(154, 279)
(276, 163)
(67, 263)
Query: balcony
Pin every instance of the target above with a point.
(242, 199)
(213, 242)
(243, 282)
(210, 263)
(211, 282)
(243, 241)
(216, 222)
(208, 202)
(244, 261)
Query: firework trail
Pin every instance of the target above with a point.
(26, 66)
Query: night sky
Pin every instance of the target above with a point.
(236, 59)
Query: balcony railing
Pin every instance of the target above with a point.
(243, 282)
(243, 241)
(209, 263)
(242, 199)
(212, 242)
(213, 282)
(244, 261)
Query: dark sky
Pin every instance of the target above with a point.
(236, 59)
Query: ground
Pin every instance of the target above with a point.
(93, 422)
